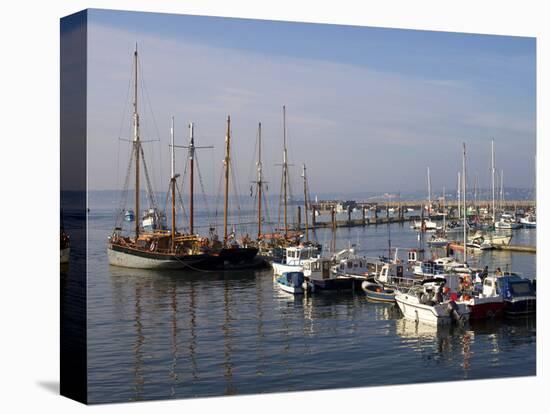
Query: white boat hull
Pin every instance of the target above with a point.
(509, 226)
(291, 289)
(439, 314)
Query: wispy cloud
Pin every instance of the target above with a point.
(342, 118)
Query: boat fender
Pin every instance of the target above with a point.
(153, 245)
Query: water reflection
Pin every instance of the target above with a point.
(237, 332)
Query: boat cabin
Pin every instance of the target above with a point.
(512, 285)
(318, 268)
(295, 255)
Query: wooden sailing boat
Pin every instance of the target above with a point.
(157, 248)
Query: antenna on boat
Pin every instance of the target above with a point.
(429, 195)
(444, 214)
(305, 201)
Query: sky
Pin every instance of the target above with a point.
(368, 109)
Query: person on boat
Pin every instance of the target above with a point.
(498, 272)
(484, 274)
(460, 288)
(439, 294)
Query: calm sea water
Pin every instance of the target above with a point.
(169, 334)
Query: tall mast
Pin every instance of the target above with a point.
(191, 155)
(173, 182)
(429, 195)
(502, 190)
(444, 213)
(137, 144)
(305, 201)
(475, 193)
(464, 197)
(493, 176)
(191, 176)
(285, 172)
(260, 181)
(226, 163)
(458, 195)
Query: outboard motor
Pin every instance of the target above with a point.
(453, 311)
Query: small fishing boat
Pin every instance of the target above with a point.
(292, 282)
(129, 215)
(318, 275)
(294, 258)
(423, 304)
(377, 292)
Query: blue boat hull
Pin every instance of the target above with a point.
(520, 307)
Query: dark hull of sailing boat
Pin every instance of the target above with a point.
(128, 256)
(237, 258)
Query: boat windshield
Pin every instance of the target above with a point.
(520, 288)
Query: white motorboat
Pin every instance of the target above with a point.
(529, 221)
(294, 258)
(421, 305)
(438, 241)
(451, 265)
(494, 238)
(479, 243)
(426, 225)
(507, 221)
